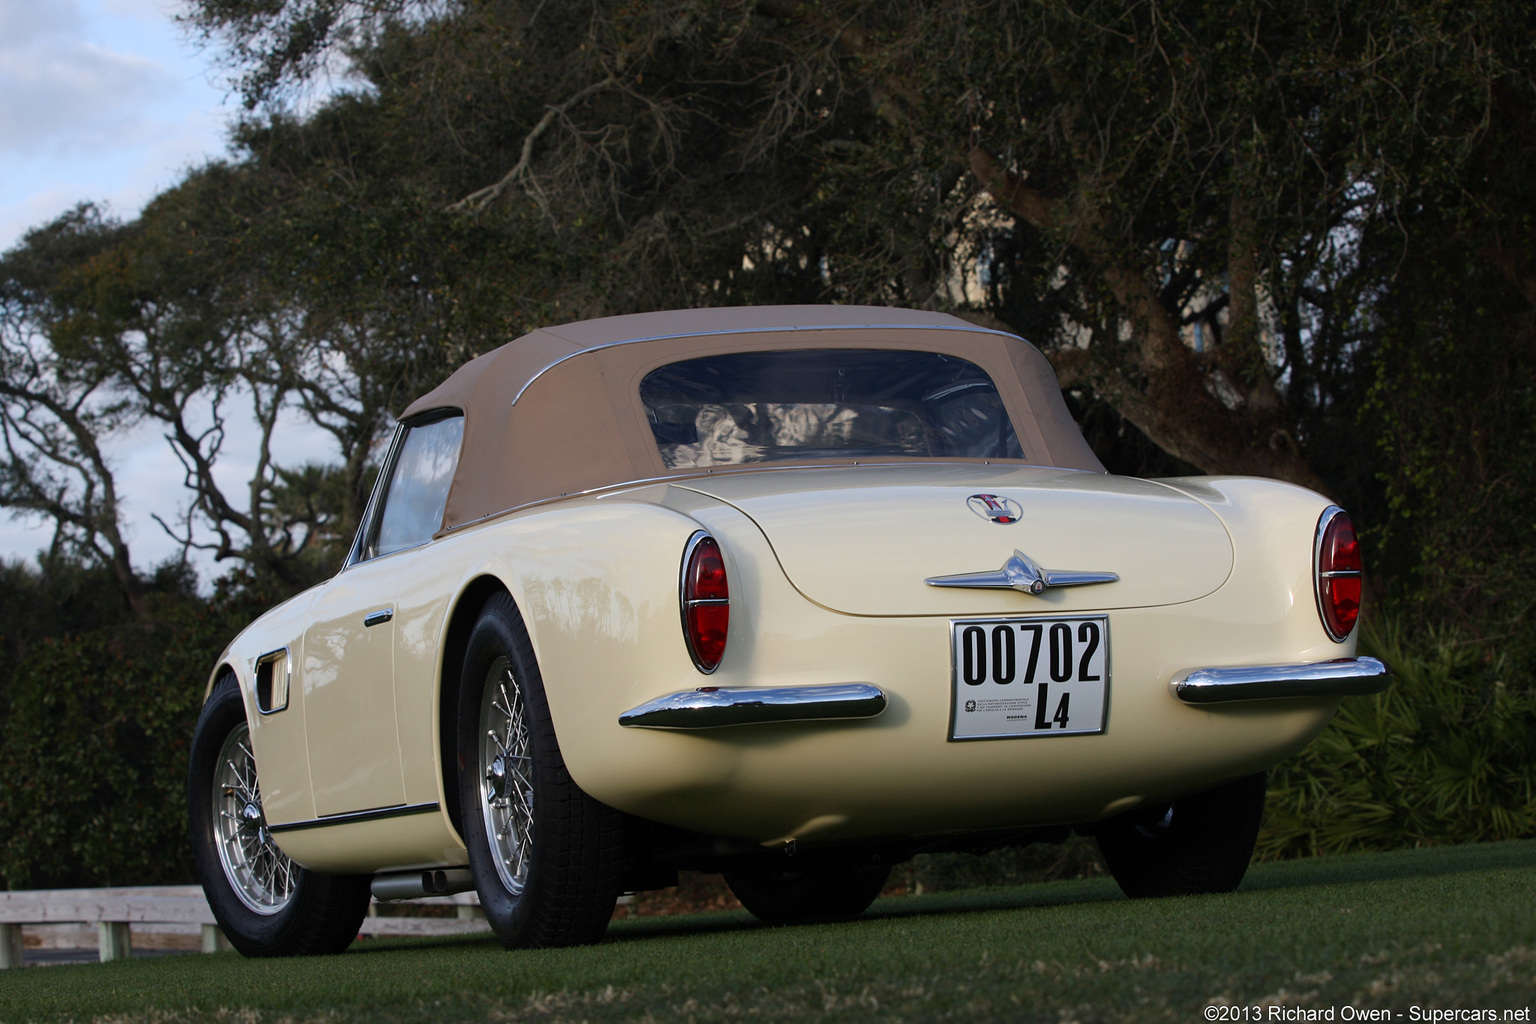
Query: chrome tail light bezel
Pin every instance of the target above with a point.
(688, 602)
(1327, 611)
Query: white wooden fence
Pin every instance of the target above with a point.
(115, 912)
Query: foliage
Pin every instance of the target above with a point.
(1447, 754)
(165, 321)
(94, 745)
(58, 597)
(1452, 402)
(1113, 178)
(56, 414)
(1260, 234)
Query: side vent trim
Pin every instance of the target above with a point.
(272, 672)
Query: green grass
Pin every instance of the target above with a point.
(1436, 928)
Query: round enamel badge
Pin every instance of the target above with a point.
(999, 510)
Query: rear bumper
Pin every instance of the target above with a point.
(711, 707)
(1341, 677)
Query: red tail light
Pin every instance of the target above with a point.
(1339, 572)
(706, 598)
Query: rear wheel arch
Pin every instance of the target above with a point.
(545, 855)
(466, 612)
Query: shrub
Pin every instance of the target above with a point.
(1447, 754)
(93, 753)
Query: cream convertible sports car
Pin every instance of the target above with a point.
(786, 593)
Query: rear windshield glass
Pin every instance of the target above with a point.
(824, 403)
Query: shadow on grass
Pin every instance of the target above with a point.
(1270, 876)
(1381, 867)
(719, 922)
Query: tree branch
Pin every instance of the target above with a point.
(481, 198)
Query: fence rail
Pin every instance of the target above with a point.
(114, 912)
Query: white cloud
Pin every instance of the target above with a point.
(21, 538)
(22, 21)
(101, 100)
(146, 10)
(59, 88)
(75, 99)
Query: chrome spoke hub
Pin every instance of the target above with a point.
(506, 776)
(261, 874)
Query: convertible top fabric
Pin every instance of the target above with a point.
(558, 412)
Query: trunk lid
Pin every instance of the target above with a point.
(863, 540)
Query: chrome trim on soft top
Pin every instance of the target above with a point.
(1339, 677)
(713, 707)
(968, 329)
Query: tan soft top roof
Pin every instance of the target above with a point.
(558, 411)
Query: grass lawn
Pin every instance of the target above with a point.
(1437, 929)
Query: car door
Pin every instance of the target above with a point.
(349, 694)
(348, 663)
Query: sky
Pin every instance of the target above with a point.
(109, 101)
(101, 100)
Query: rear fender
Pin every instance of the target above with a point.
(1270, 592)
(596, 583)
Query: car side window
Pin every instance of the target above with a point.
(418, 485)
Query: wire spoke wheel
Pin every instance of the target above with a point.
(265, 903)
(545, 856)
(506, 776)
(262, 876)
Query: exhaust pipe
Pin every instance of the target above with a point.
(413, 885)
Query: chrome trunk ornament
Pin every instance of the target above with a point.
(1021, 574)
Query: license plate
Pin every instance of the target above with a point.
(1029, 677)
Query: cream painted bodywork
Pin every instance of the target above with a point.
(596, 579)
(863, 542)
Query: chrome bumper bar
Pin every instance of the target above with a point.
(711, 707)
(1340, 677)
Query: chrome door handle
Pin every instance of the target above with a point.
(379, 617)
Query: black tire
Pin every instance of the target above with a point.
(301, 912)
(545, 855)
(1197, 844)
(813, 893)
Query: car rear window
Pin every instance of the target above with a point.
(824, 403)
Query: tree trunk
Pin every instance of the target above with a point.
(1173, 403)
